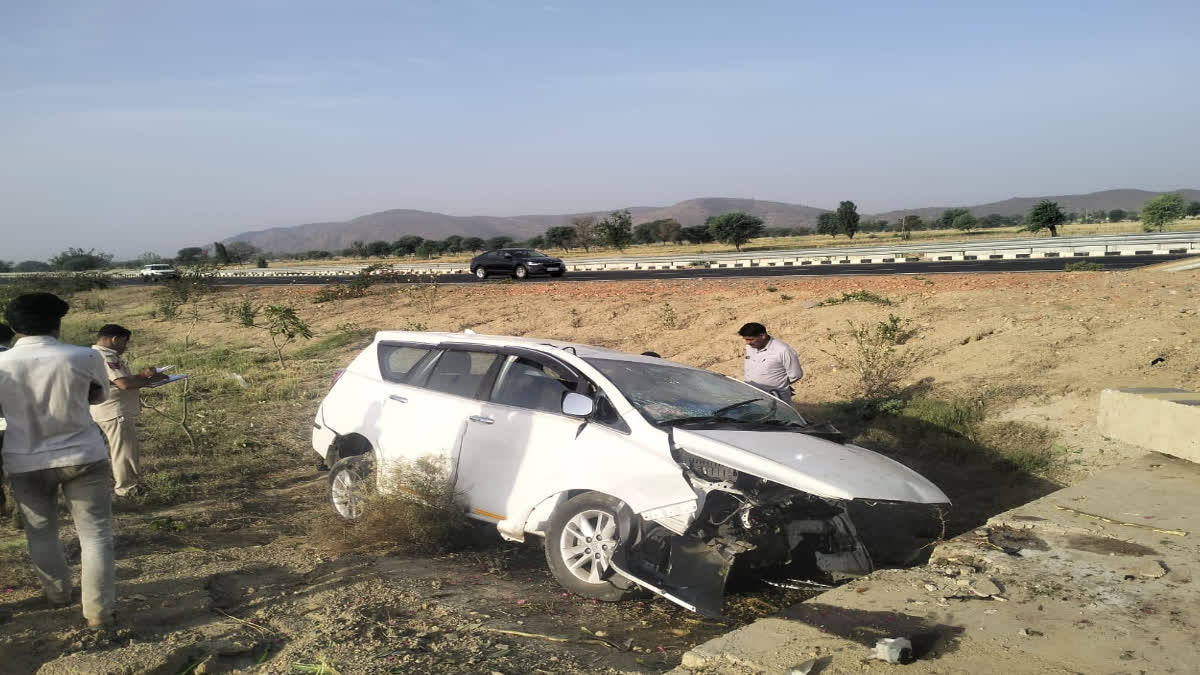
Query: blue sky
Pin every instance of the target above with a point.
(150, 125)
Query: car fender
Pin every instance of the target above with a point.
(650, 482)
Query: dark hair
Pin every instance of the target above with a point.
(752, 329)
(6, 334)
(114, 331)
(36, 313)
(654, 354)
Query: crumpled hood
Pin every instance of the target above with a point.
(813, 465)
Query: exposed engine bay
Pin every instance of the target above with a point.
(743, 525)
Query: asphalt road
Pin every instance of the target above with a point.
(850, 269)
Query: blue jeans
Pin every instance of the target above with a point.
(88, 489)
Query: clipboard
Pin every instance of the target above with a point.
(170, 379)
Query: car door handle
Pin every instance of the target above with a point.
(397, 398)
(481, 419)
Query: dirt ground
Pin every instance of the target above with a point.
(231, 580)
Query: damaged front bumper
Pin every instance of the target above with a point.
(741, 524)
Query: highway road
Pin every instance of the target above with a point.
(856, 269)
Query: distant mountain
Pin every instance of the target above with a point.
(391, 225)
(1093, 202)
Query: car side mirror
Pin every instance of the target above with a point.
(577, 405)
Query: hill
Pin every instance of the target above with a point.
(396, 223)
(1093, 202)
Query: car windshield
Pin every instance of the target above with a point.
(666, 394)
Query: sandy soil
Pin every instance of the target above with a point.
(237, 585)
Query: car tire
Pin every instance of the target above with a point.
(520, 272)
(480, 273)
(570, 553)
(349, 485)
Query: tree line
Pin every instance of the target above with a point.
(617, 231)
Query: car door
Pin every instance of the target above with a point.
(427, 414)
(502, 263)
(398, 433)
(511, 455)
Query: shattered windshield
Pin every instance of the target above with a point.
(667, 394)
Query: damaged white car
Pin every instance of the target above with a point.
(637, 471)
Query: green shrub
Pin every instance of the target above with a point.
(856, 296)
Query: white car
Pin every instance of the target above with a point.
(158, 271)
(637, 471)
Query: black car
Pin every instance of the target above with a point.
(516, 262)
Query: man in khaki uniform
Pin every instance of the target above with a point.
(117, 415)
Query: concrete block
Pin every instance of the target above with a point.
(1164, 420)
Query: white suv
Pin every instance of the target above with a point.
(158, 271)
(637, 471)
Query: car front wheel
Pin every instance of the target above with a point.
(520, 272)
(583, 535)
(480, 273)
(349, 485)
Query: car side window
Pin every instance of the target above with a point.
(460, 372)
(396, 362)
(526, 383)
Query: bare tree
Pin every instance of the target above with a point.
(585, 231)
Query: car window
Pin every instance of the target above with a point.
(461, 372)
(397, 361)
(525, 383)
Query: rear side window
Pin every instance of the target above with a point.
(460, 372)
(397, 361)
(528, 384)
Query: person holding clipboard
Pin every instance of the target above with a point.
(117, 415)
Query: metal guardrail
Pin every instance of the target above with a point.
(1000, 249)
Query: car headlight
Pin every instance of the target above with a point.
(533, 264)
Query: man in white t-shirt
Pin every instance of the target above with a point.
(770, 364)
(6, 336)
(51, 443)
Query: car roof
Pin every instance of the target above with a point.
(548, 346)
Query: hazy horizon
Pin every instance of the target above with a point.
(149, 126)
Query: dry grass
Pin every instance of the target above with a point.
(421, 513)
(1034, 347)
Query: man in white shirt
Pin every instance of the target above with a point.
(770, 364)
(6, 336)
(46, 389)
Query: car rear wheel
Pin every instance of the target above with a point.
(480, 273)
(520, 272)
(580, 542)
(349, 486)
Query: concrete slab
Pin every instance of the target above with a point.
(1163, 420)
(1094, 578)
